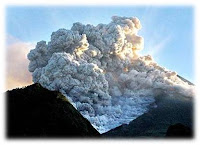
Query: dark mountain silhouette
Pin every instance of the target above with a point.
(161, 121)
(34, 111)
(179, 130)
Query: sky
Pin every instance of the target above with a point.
(168, 32)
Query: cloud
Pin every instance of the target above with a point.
(99, 70)
(17, 74)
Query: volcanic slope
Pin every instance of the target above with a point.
(34, 111)
(174, 111)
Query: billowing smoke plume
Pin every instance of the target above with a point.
(98, 69)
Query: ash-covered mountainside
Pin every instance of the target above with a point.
(173, 117)
(37, 112)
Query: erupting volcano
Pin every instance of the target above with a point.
(98, 69)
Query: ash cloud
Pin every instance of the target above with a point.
(99, 70)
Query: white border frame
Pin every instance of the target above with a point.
(193, 3)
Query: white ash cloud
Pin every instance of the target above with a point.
(99, 70)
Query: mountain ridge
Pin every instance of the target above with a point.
(34, 111)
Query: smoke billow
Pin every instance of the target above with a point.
(99, 70)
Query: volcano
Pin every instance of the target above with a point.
(99, 71)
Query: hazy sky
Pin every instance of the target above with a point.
(167, 31)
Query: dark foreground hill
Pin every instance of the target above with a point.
(37, 112)
(173, 117)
